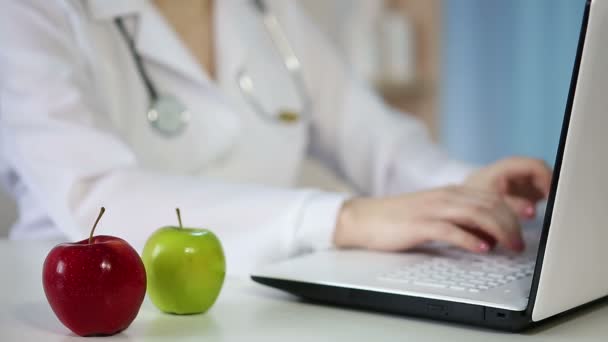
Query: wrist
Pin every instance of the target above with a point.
(344, 233)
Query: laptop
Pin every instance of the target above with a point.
(562, 268)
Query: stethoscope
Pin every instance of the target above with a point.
(170, 117)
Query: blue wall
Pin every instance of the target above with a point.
(507, 66)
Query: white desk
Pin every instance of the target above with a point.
(246, 311)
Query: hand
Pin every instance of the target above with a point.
(463, 216)
(521, 182)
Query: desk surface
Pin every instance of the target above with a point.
(246, 311)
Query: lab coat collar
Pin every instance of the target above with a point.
(155, 40)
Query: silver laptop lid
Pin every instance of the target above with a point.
(570, 266)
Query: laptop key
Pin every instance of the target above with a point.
(430, 284)
(463, 273)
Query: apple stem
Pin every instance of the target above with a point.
(103, 210)
(179, 217)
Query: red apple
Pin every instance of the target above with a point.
(95, 286)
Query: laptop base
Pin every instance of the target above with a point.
(488, 317)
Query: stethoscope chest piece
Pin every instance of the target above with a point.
(168, 115)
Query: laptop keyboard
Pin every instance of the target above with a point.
(464, 272)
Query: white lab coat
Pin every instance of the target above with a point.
(74, 135)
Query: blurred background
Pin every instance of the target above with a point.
(489, 77)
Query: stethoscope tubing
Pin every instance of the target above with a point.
(139, 63)
(245, 83)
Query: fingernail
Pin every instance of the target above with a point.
(484, 247)
(529, 211)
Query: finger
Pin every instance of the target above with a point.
(523, 207)
(524, 187)
(538, 170)
(499, 222)
(475, 195)
(489, 239)
(543, 183)
(506, 215)
(454, 235)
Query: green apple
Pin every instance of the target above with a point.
(185, 268)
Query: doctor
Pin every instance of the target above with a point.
(146, 105)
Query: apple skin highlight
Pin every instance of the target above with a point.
(95, 286)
